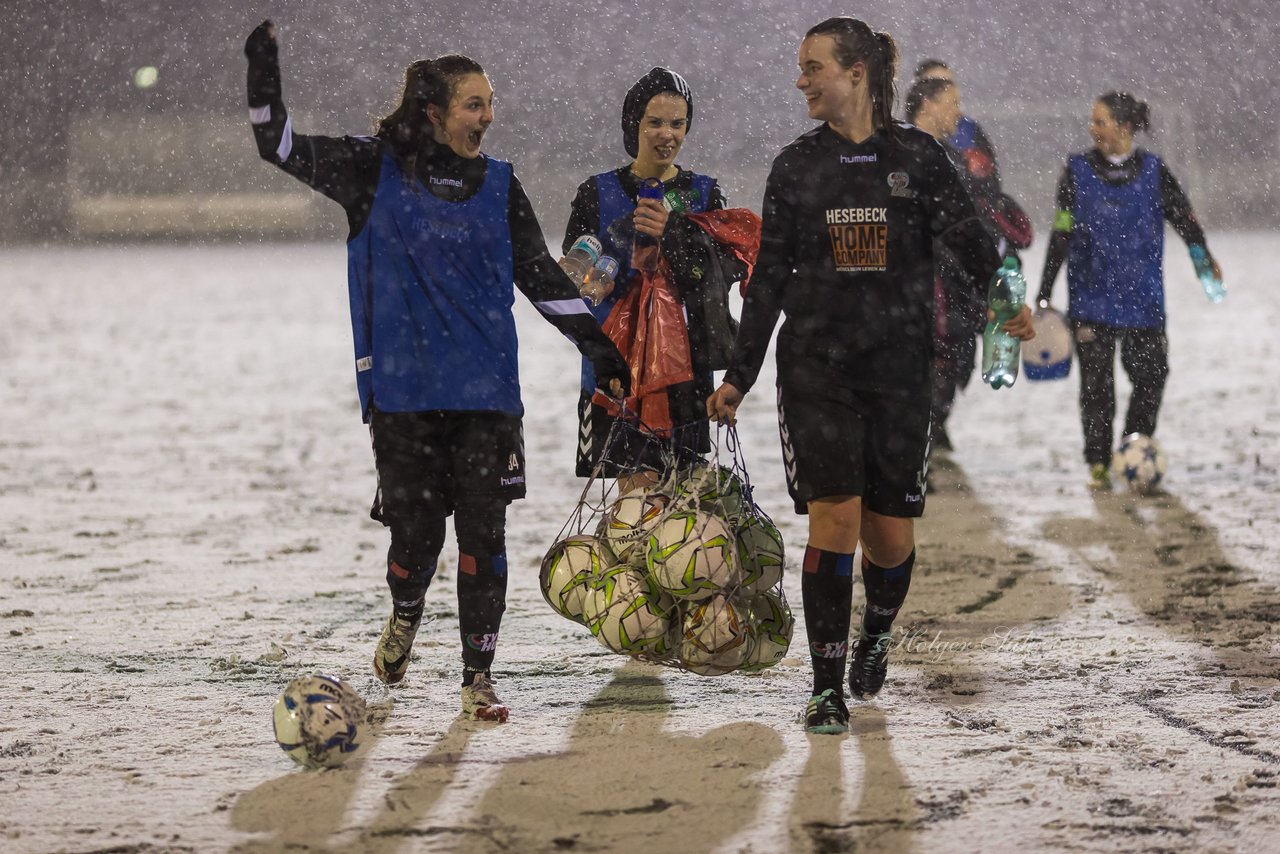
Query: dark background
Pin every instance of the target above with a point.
(1029, 73)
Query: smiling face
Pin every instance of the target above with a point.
(469, 116)
(1111, 137)
(828, 88)
(662, 130)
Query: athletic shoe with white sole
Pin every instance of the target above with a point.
(391, 658)
(480, 700)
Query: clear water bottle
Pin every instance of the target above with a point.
(598, 283)
(1005, 296)
(582, 256)
(644, 247)
(1214, 289)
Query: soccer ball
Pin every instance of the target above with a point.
(319, 721)
(1047, 356)
(715, 638)
(770, 625)
(570, 569)
(628, 613)
(716, 489)
(760, 553)
(1140, 463)
(628, 522)
(692, 555)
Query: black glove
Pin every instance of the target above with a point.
(609, 365)
(263, 82)
(261, 44)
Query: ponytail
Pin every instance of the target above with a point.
(855, 42)
(1128, 110)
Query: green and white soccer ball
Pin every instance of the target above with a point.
(716, 638)
(627, 523)
(713, 488)
(770, 626)
(692, 555)
(1140, 463)
(760, 554)
(319, 720)
(569, 571)
(628, 613)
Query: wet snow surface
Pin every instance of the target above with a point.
(184, 481)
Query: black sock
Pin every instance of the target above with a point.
(886, 590)
(482, 597)
(827, 589)
(408, 587)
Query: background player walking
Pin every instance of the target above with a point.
(1112, 204)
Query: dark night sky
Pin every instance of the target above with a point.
(560, 70)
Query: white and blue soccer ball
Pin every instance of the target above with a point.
(1047, 356)
(1139, 463)
(319, 721)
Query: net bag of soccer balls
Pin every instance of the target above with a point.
(687, 573)
(319, 721)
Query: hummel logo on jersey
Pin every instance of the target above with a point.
(857, 158)
(447, 182)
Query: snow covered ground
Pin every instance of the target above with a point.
(184, 481)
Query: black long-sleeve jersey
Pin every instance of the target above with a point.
(847, 254)
(347, 169)
(584, 216)
(1177, 209)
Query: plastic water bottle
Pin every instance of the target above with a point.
(644, 247)
(599, 280)
(1214, 289)
(1000, 350)
(583, 255)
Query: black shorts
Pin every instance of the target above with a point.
(631, 449)
(428, 461)
(837, 441)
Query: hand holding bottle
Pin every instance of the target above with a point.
(1006, 314)
(582, 256)
(1209, 273)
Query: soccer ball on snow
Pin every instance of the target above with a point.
(761, 555)
(570, 569)
(319, 720)
(628, 522)
(1140, 463)
(628, 613)
(715, 638)
(692, 555)
(770, 625)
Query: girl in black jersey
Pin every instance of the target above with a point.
(851, 211)
(440, 237)
(933, 105)
(657, 113)
(1113, 202)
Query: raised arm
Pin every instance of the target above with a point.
(343, 168)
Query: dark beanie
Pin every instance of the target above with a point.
(657, 81)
